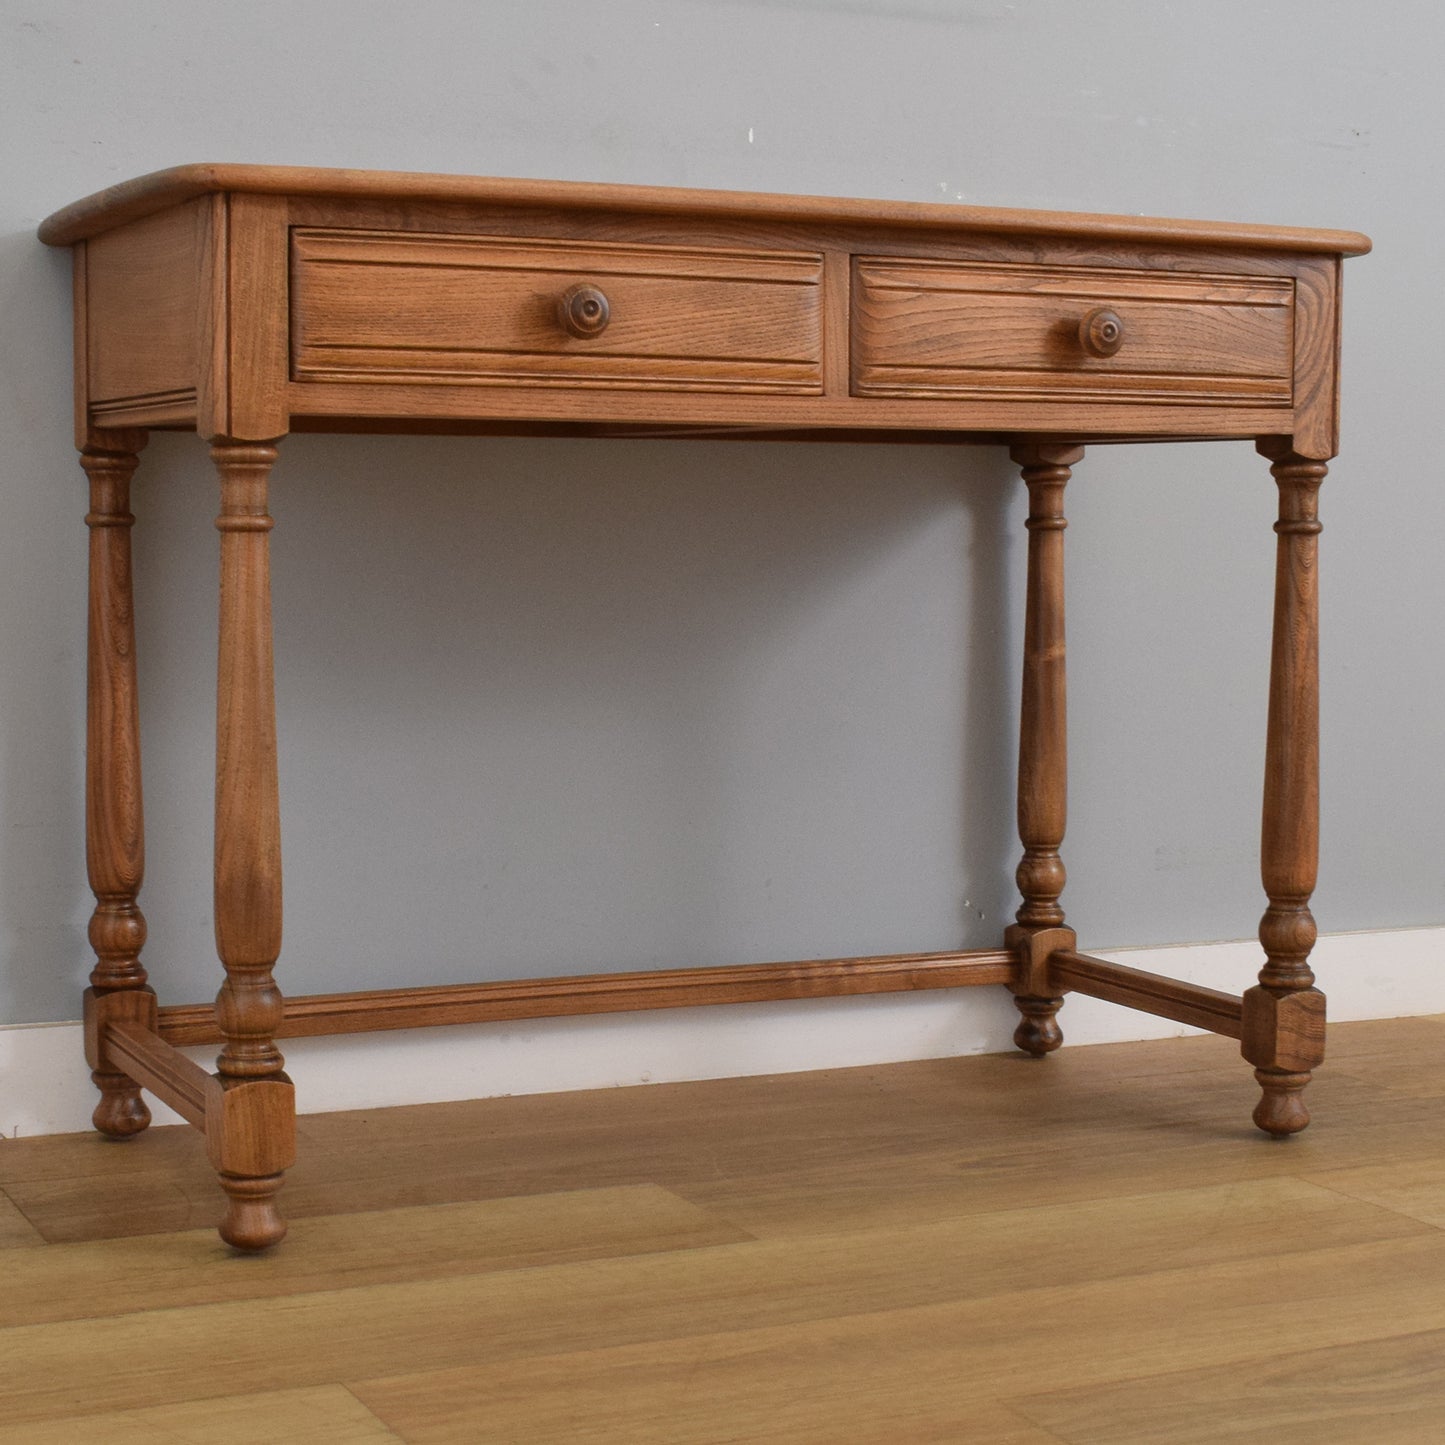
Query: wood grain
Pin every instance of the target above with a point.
(1283, 1034)
(114, 813)
(16, 1232)
(408, 407)
(122, 1276)
(376, 306)
(1186, 1003)
(1414, 1187)
(1043, 757)
(933, 1360)
(803, 1399)
(143, 299)
(839, 1149)
(941, 1280)
(161, 1068)
(309, 1016)
(326, 1415)
(886, 1303)
(241, 300)
(1386, 1390)
(160, 189)
(257, 323)
(963, 329)
(250, 1137)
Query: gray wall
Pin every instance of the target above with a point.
(556, 706)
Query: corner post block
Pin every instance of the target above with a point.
(1043, 750)
(250, 1133)
(1284, 1015)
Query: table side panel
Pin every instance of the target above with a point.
(146, 316)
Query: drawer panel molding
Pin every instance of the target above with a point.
(964, 329)
(374, 306)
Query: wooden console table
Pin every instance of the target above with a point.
(246, 302)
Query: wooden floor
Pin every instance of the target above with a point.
(1096, 1247)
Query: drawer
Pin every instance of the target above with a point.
(381, 306)
(1032, 333)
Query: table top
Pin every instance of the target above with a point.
(148, 194)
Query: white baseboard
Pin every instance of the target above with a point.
(45, 1087)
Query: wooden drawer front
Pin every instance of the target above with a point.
(392, 307)
(960, 329)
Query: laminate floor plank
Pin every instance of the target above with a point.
(901, 1253)
(123, 1276)
(1385, 1392)
(1185, 1146)
(786, 1381)
(1415, 1187)
(803, 1399)
(971, 1134)
(16, 1232)
(973, 1265)
(328, 1415)
(1392, 1062)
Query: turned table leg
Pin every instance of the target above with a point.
(251, 1138)
(114, 828)
(1284, 1016)
(1043, 750)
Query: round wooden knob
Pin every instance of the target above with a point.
(583, 310)
(1101, 332)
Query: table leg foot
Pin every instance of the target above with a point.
(252, 1221)
(1281, 1110)
(121, 1112)
(1038, 1032)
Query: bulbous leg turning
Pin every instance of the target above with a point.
(1038, 1032)
(252, 1221)
(1281, 1110)
(121, 1112)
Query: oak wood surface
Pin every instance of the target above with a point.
(1288, 1039)
(1185, 1003)
(143, 291)
(342, 405)
(307, 1016)
(114, 814)
(244, 300)
(147, 194)
(1043, 767)
(373, 305)
(160, 1068)
(958, 328)
(250, 1128)
(1232, 330)
(256, 320)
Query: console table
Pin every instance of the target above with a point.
(245, 302)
